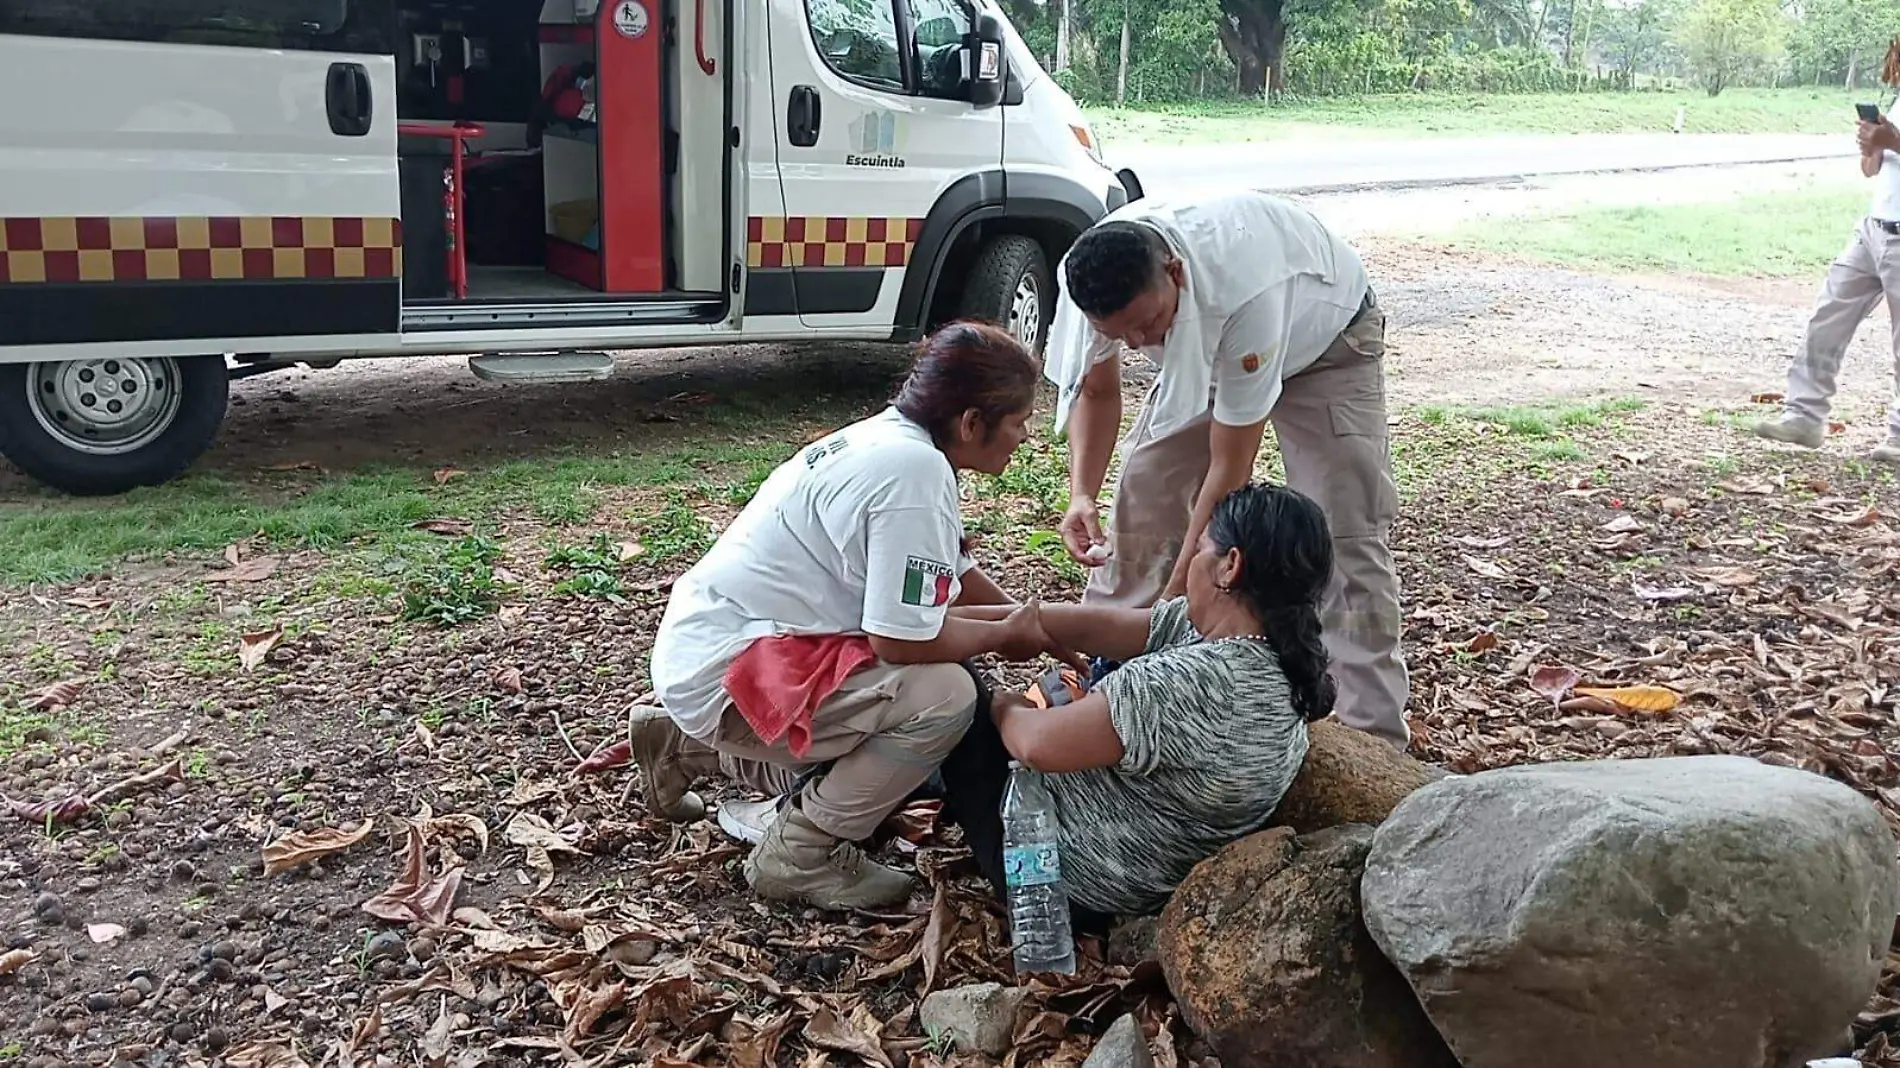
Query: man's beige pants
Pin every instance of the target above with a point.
(1331, 426)
(1867, 270)
(884, 732)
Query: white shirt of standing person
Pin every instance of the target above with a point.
(859, 533)
(1268, 289)
(1886, 205)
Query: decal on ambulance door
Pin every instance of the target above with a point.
(829, 263)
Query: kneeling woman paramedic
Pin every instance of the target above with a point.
(815, 636)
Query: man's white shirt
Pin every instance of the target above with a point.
(1268, 289)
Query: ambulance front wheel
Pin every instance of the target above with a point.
(1010, 285)
(102, 426)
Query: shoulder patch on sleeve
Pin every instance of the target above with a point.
(927, 582)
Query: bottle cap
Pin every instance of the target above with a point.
(1015, 765)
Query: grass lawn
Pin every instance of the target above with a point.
(1771, 236)
(1810, 110)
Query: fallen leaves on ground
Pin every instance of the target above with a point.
(302, 847)
(253, 648)
(256, 569)
(448, 528)
(14, 959)
(540, 841)
(56, 696)
(416, 896)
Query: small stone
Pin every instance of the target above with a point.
(137, 925)
(88, 884)
(46, 903)
(44, 1027)
(1121, 1046)
(385, 946)
(226, 950)
(189, 929)
(216, 1039)
(184, 1031)
(548, 1013)
(184, 871)
(220, 970)
(100, 1002)
(130, 997)
(118, 819)
(979, 1018)
(422, 948)
(143, 984)
(384, 969)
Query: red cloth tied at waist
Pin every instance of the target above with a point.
(779, 682)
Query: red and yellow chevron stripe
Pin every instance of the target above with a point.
(830, 241)
(197, 248)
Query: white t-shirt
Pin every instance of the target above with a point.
(1886, 206)
(1268, 290)
(857, 534)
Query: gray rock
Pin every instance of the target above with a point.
(978, 1019)
(1122, 1046)
(1664, 913)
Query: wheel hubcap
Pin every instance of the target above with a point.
(104, 407)
(1025, 311)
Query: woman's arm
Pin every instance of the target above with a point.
(1019, 635)
(1115, 633)
(1072, 737)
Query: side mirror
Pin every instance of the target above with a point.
(986, 61)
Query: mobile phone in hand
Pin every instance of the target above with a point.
(1867, 112)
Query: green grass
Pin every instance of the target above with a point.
(1807, 110)
(1768, 236)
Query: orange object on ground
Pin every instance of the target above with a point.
(778, 683)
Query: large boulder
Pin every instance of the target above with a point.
(1267, 957)
(1349, 777)
(1692, 911)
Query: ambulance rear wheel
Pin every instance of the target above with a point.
(1010, 285)
(103, 426)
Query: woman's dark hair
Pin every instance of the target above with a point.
(1286, 561)
(963, 366)
(1112, 264)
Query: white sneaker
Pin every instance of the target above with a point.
(1888, 452)
(747, 821)
(1792, 430)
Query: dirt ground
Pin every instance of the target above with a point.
(524, 913)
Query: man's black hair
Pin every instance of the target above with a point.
(1112, 264)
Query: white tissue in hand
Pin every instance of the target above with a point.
(1097, 554)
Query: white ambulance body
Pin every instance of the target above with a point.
(197, 190)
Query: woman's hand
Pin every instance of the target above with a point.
(1025, 638)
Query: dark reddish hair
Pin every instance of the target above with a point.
(967, 366)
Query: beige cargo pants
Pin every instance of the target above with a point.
(1867, 270)
(1331, 427)
(884, 732)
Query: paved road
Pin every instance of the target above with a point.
(1354, 161)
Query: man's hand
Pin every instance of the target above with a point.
(1081, 531)
(1026, 639)
(1878, 137)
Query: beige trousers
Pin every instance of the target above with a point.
(1867, 270)
(883, 733)
(1331, 427)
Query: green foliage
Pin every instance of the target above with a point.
(1732, 42)
(458, 588)
(595, 566)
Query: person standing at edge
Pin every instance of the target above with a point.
(1256, 313)
(1868, 270)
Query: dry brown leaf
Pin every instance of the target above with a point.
(93, 603)
(104, 932)
(1624, 524)
(1554, 682)
(414, 897)
(448, 528)
(1662, 594)
(1651, 699)
(234, 554)
(293, 465)
(608, 756)
(14, 959)
(365, 1029)
(857, 1036)
(1485, 641)
(446, 475)
(1473, 542)
(1728, 576)
(511, 614)
(256, 569)
(56, 696)
(457, 823)
(1865, 517)
(508, 680)
(253, 648)
(540, 841)
(1675, 506)
(587, 1009)
(301, 847)
(1486, 568)
(631, 550)
(435, 1041)
(1753, 487)
(1586, 704)
(1766, 398)
(265, 1055)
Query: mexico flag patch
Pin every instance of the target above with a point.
(927, 582)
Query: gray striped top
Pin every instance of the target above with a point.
(1212, 742)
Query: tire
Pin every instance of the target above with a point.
(1010, 270)
(149, 444)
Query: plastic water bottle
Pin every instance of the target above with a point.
(1032, 865)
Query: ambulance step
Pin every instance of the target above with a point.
(542, 367)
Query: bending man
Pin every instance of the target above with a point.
(1256, 313)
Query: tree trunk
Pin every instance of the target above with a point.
(1121, 72)
(1062, 37)
(1853, 69)
(1254, 34)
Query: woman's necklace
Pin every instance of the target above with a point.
(1245, 638)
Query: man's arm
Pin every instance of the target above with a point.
(961, 638)
(1231, 451)
(1116, 633)
(1092, 428)
(980, 589)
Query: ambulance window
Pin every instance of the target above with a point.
(938, 30)
(323, 25)
(858, 39)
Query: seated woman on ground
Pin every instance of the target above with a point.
(1192, 742)
(812, 650)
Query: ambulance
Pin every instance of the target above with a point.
(194, 191)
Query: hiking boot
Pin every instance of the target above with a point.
(1793, 430)
(667, 768)
(1887, 452)
(747, 821)
(799, 863)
